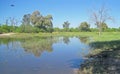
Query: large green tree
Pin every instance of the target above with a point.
(84, 26)
(26, 26)
(26, 19)
(66, 26)
(37, 19)
(104, 26)
(42, 22)
(48, 23)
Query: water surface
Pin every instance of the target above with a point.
(42, 55)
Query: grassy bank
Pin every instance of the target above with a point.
(105, 56)
(105, 36)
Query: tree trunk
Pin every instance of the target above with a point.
(99, 33)
(100, 30)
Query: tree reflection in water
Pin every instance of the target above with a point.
(105, 58)
(38, 45)
(107, 61)
(66, 39)
(84, 39)
(10, 43)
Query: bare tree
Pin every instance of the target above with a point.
(6, 22)
(100, 16)
(13, 23)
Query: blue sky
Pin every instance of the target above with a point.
(74, 11)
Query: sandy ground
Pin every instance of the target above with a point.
(6, 34)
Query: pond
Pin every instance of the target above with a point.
(43, 55)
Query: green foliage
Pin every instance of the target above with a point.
(26, 19)
(56, 29)
(44, 23)
(48, 23)
(36, 22)
(84, 26)
(104, 26)
(66, 26)
(1, 30)
(26, 28)
(36, 19)
(93, 29)
(6, 29)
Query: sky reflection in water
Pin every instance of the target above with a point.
(45, 55)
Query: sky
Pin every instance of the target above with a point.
(74, 11)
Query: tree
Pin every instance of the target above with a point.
(26, 19)
(43, 23)
(37, 19)
(100, 16)
(56, 29)
(104, 26)
(13, 22)
(84, 26)
(48, 23)
(26, 27)
(66, 26)
(6, 22)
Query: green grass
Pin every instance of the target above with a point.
(105, 36)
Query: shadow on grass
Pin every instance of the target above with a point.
(106, 61)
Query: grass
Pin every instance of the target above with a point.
(105, 36)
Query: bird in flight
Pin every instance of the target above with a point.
(12, 5)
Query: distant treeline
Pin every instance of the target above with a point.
(32, 29)
(36, 22)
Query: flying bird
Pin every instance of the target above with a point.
(12, 5)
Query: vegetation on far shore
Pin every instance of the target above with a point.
(105, 36)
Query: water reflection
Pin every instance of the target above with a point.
(84, 39)
(10, 43)
(32, 55)
(6, 41)
(105, 62)
(66, 40)
(38, 45)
